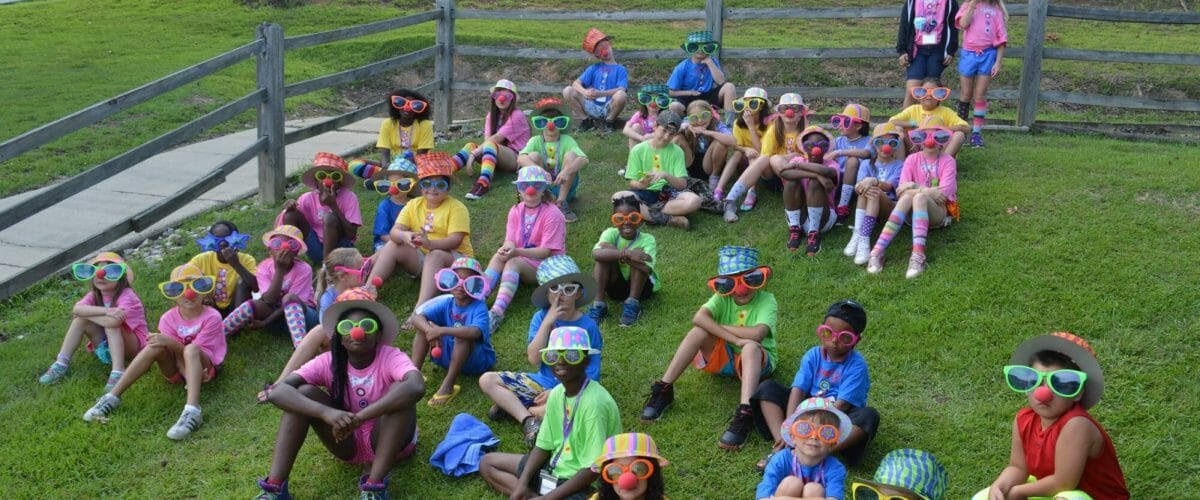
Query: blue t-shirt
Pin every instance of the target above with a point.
(545, 376)
(385, 218)
(688, 75)
(830, 474)
(885, 172)
(604, 76)
(442, 311)
(819, 377)
(327, 299)
(842, 143)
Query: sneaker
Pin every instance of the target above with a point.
(103, 407)
(273, 491)
(863, 253)
(568, 214)
(851, 246)
(597, 311)
(530, 428)
(113, 377)
(719, 197)
(843, 214)
(658, 218)
(587, 124)
(739, 428)
(916, 265)
(497, 414)
(814, 243)
(662, 395)
(875, 262)
(494, 321)
(477, 191)
(793, 242)
(730, 211)
(610, 126)
(679, 221)
(55, 373)
(372, 491)
(749, 201)
(188, 422)
(630, 313)
(976, 140)
(621, 172)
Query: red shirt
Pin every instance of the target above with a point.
(1102, 477)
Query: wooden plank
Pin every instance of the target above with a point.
(336, 122)
(443, 67)
(1087, 129)
(304, 41)
(1015, 10)
(714, 21)
(537, 53)
(54, 263)
(548, 15)
(361, 72)
(1123, 16)
(1031, 67)
(272, 167)
(101, 110)
(151, 215)
(1121, 57)
(1120, 101)
(728, 53)
(123, 161)
(807, 92)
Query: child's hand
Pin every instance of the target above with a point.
(833, 155)
(340, 421)
(328, 198)
(541, 398)
(229, 254)
(637, 255)
(996, 67)
(522, 493)
(751, 154)
(289, 205)
(903, 60)
(115, 313)
(826, 182)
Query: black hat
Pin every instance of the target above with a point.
(851, 312)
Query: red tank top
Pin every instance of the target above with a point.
(1102, 477)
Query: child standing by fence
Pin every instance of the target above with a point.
(985, 35)
(926, 41)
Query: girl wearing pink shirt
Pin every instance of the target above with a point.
(928, 187)
(286, 286)
(984, 24)
(189, 348)
(328, 214)
(505, 132)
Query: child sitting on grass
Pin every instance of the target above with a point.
(408, 131)
(905, 474)
(556, 152)
(505, 132)
(876, 188)
(328, 214)
(223, 256)
(808, 468)
(657, 176)
(625, 257)
(287, 289)
(651, 99)
(394, 183)
(630, 468)
(456, 325)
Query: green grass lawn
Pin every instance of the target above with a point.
(1058, 233)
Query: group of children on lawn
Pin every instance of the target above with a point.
(358, 393)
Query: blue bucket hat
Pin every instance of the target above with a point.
(562, 269)
(400, 165)
(736, 260)
(914, 470)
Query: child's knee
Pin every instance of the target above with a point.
(290, 298)
(191, 352)
(813, 490)
(791, 486)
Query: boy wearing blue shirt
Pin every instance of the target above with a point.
(700, 77)
(456, 326)
(807, 468)
(599, 93)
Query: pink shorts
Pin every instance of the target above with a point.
(364, 452)
(178, 378)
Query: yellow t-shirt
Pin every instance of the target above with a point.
(227, 278)
(742, 135)
(918, 114)
(392, 136)
(770, 147)
(448, 218)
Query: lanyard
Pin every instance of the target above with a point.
(931, 171)
(568, 422)
(527, 225)
(405, 137)
(557, 157)
(631, 242)
(818, 478)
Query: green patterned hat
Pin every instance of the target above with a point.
(736, 260)
(699, 37)
(914, 470)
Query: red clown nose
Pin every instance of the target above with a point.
(531, 191)
(1043, 394)
(189, 294)
(100, 273)
(393, 190)
(357, 334)
(327, 182)
(436, 352)
(791, 113)
(887, 150)
(930, 143)
(550, 126)
(627, 481)
(816, 152)
(502, 99)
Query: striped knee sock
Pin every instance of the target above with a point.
(487, 163)
(508, 287)
(894, 223)
(920, 225)
(293, 313)
(460, 158)
(238, 318)
(866, 226)
(979, 116)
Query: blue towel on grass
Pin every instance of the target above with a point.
(466, 442)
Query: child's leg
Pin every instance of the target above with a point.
(736, 161)
(293, 315)
(981, 104)
(793, 487)
(966, 90)
(492, 384)
(689, 154)
(638, 281)
(603, 273)
(392, 433)
(420, 348)
(515, 270)
(315, 342)
(813, 489)
(894, 223)
(567, 176)
(151, 355)
(696, 341)
(241, 293)
(239, 318)
(74, 336)
(506, 159)
(500, 471)
(434, 262)
(752, 367)
(458, 358)
(771, 398)
(714, 161)
(333, 234)
(684, 203)
(293, 428)
(849, 175)
(195, 364)
(385, 260)
(295, 218)
(488, 157)
(956, 142)
(749, 178)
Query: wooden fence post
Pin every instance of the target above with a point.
(714, 20)
(443, 99)
(1031, 64)
(271, 165)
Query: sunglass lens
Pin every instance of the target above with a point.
(203, 285)
(662, 101)
(344, 326)
(640, 468)
(846, 339)
(723, 285)
(539, 122)
(446, 280)
(803, 429)
(113, 272)
(1066, 383)
(941, 93)
(550, 357)
(474, 285)
(1022, 378)
(864, 492)
(612, 472)
(692, 46)
(941, 136)
(739, 105)
(917, 136)
(709, 48)
(418, 106)
(574, 356)
(398, 102)
(755, 278)
(369, 325)
(172, 289)
(83, 271)
(828, 433)
(561, 121)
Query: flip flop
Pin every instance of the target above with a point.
(762, 464)
(265, 393)
(443, 399)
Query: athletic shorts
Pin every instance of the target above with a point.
(618, 288)
(725, 362)
(364, 451)
(926, 64)
(209, 374)
(971, 63)
(522, 385)
(597, 110)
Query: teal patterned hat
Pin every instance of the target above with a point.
(569, 338)
(699, 37)
(735, 260)
(400, 165)
(655, 88)
(562, 269)
(914, 470)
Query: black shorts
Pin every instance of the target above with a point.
(772, 392)
(618, 288)
(926, 64)
(713, 96)
(655, 199)
(535, 482)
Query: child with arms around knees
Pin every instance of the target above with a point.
(929, 97)
(359, 398)
(876, 188)
(408, 131)
(222, 256)
(110, 314)
(556, 152)
(926, 41)
(522, 396)
(753, 119)
(807, 468)
(658, 176)
(928, 188)
(904, 474)
(625, 257)
(536, 230)
(699, 77)
(580, 415)
(985, 36)
(456, 326)
(832, 371)
(809, 181)
(705, 142)
(652, 99)
(780, 145)
(851, 147)
(286, 285)
(505, 132)
(733, 336)
(188, 349)
(630, 468)
(599, 93)
(395, 183)
(1058, 449)
(328, 214)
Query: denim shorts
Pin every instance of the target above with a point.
(971, 63)
(926, 64)
(597, 110)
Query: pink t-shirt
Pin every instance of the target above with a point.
(515, 130)
(367, 385)
(935, 10)
(646, 123)
(542, 227)
(298, 281)
(309, 204)
(128, 301)
(987, 29)
(204, 331)
(918, 169)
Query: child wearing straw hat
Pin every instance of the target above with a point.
(556, 152)
(395, 183)
(700, 77)
(630, 468)
(285, 284)
(1058, 449)
(599, 93)
(808, 469)
(505, 132)
(906, 474)
(328, 214)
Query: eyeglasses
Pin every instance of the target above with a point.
(881, 142)
(753, 103)
(346, 270)
(507, 95)
(1065, 383)
(173, 289)
(283, 243)
(368, 325)
(410, 105)
(542, 122)
(640, 468)
(702, 116)
(822, 143)
(937, 93)
(402, 186)
(634, 218)
(826, 433)
(941, 135)
(565, 288)
(844, 122)
(212, 243)
(475, 286)
(661, 100)
(111, 271)
(706, 47)
(570, 356)
(844, 337)
(795, 108)
(753, 279)
(321, 175)
(867, 492)
(436, 185)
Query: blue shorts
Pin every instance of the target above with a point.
(521, 385)
(971, 63)
(316, 249)
(597, 110)
(926, 64)
(480, 360)
(553, 188)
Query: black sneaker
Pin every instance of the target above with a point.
(610, 126)
(587, 124)
(814, 243)
(477, 191)
(658, 218)
(662, 395)
(793, 242)
(739, 428)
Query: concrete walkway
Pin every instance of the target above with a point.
(72, 220)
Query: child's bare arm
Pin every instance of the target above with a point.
(1076, 442)
(89, 311)
(401, 394)
(1016, 471)
(704, 319)
(462, 332)
(448, 243)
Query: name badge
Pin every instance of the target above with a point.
(602, 99)
(548, 482)
(929, 39)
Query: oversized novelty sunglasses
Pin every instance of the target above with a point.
(542, 122)
(702, 116)
(565, 288)
(753, 279)
(283, 243)
(1065, 383)
(867, 492)
(203, 285)
(475, 286)
(753, 103)
(537, 186)
(410, 105)
(640, 468)
(706, 47)
(795, 108)
(111, 271)
(212, 243)
(496, 95)
(402, 186)
(941, 135)
(822, 143)
(347, 270)
(325, 174)
(437, 185)
(661, 100)
(844, 122)
(570, 356)
(634, 218)
(937, 93)
(844, 337)
(368, 325)
(825, 433)
(881, 142)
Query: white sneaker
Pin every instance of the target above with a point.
(188, 422)
(103, 407)
(852, 245)
(875, 262)
(863, 252)
(916, 265)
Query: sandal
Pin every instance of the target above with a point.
(762, 464)
(265, 393)
(443, 399)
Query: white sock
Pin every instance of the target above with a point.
(793, 217)
(814, 219)
(191, 409)
(859, 214)
(847, 192)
